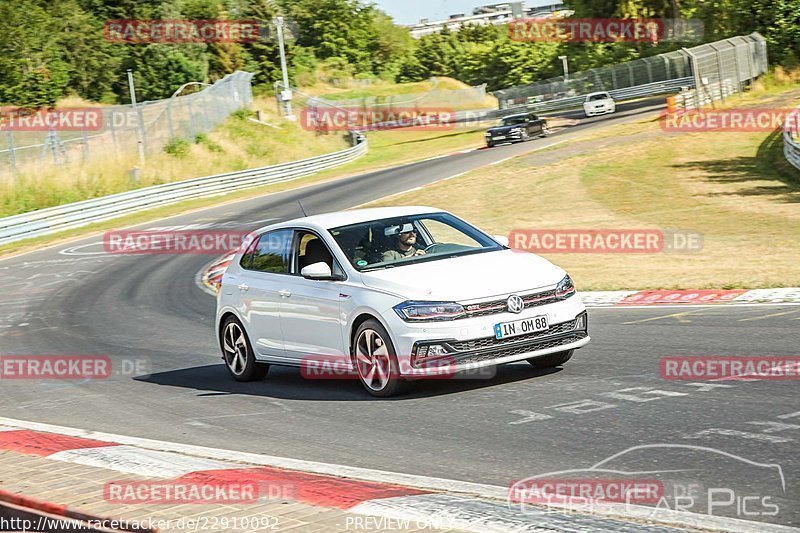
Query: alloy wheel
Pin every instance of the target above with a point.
(373, 360)
(235, 348)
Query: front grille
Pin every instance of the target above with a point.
(525, 347)
(488, 342)
(494, 307)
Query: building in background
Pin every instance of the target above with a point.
(496, 14)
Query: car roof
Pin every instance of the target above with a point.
(517, 115)
(352, 216)
(598, 92)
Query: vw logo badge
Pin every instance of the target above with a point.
(515, 304)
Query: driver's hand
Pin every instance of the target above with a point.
(420, 252)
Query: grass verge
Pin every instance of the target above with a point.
(387, 148)
(735, 189)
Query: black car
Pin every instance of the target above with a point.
(517, 128)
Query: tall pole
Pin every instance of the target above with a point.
(286, 93)
(139, 118)
(565, 66)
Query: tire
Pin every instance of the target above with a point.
(376, 360)
(551, 360)
(545, 131)
(525, 136)
(489, 145)
(237, 352)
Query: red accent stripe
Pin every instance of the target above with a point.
(44, 444)
(315, 489)
(56, 509)
(32, 503)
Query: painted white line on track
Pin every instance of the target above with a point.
(468, 491)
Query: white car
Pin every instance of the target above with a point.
(393, 293)
(598, 104)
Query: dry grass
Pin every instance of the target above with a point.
(236, 145)
(734, 188)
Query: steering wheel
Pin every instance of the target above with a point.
(429, 247)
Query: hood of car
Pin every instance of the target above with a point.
(504, 129)
(467, 277)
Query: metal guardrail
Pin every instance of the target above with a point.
(791, 138)
(59, 218)
(628, 93)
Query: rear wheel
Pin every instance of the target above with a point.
(551, 360)
(238, 355)
(376, 361)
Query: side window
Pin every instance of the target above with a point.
(311, 249)
(272, 253)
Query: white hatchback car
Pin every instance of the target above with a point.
(598, 104)
(395, 294)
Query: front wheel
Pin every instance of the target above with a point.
(545, 131)
(376, 361)
(238, 355)
(489, 145)
(551, 360)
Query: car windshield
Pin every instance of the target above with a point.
(594, 97)
(392, 242)
(510, 121)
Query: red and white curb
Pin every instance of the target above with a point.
(778, 296)
(400, 500)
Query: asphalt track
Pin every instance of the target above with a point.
(149, 311)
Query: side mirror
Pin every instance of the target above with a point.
(319, 271)
(502, 239)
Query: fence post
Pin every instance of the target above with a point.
(696, 73)
(142, 132)
(170, 129)
(12, 157)
(719, 71)
(85, 138)
(736, 61)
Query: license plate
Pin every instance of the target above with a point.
(504, 330)
(499, 136)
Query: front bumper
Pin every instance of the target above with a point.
(470, 342)
(594, 111)
(504, 138)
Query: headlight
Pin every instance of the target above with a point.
(565, 288)
(429, 311)
(487, 134)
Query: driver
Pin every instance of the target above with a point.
(404, 242)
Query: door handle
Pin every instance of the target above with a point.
(284, 293)
(243, 287)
